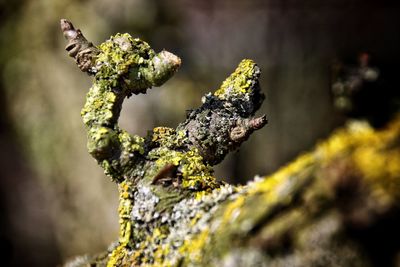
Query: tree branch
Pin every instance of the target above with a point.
(324, 209)
(156, 172)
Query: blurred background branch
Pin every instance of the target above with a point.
(53, 195)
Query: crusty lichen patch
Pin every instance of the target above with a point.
(240, 82)
(182, 231)
(128, 64)
(124, 210)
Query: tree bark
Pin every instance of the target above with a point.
(333, 206)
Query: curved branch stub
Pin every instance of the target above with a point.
(79, 47)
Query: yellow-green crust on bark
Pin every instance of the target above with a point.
(172, 210)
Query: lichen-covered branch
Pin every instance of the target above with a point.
(324, 209)
(156, 172)
(123, 66)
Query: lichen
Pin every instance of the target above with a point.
(195, 174)
(169, 243)
(159, 176)
(172, 210)
(241, 82)
(125, 231)
(374, 153)
(121, 64)
(297, 194)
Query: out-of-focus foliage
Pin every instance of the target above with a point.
(57, 202)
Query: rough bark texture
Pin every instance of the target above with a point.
(321, 210)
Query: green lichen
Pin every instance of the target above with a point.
(121, 63)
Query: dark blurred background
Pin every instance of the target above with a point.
(55, 202)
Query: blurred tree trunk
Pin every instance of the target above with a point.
(334, 206)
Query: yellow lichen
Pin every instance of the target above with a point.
(192, 249)
(267, 187)
(161, 133)
(195, 173)
(117, 256)
(168, 137)
(371, 152)
(366, 147)
(125, 66)
(374, 153)
(230, 212)
(239, 82)
(125, 232)
(131, 143)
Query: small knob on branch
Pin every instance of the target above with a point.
(79, 47)
(245, 127)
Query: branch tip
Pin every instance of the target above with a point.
(78, 46)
